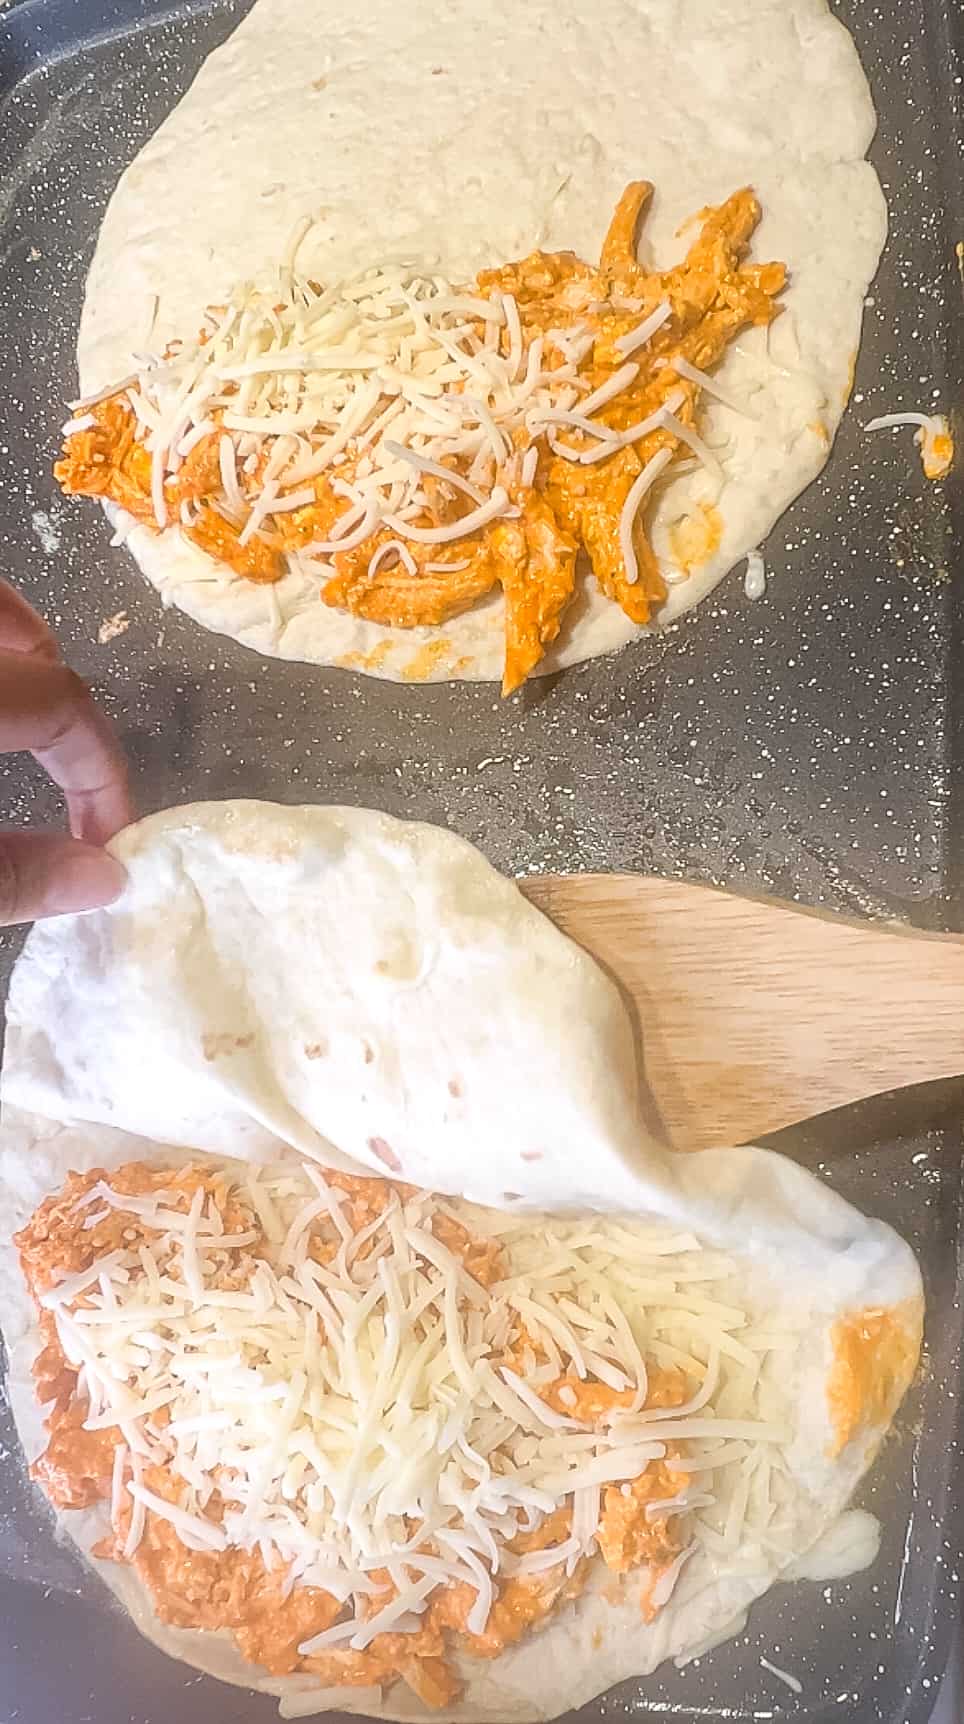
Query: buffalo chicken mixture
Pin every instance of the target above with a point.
(415, 446)
(332, 1416)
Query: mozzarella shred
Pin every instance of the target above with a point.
(755, 579)
(345, 1395)
(644, 332)
(643, 483)
(790, 1681)
(708, 384)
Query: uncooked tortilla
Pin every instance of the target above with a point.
(313, 977)
(470, 135)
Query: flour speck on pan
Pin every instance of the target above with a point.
(467, 140)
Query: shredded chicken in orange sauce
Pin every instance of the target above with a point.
(875, 1355)
(569, 509)
(234, 1589)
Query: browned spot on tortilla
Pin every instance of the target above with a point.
(455, 1088)
(429, 658)
(215, 1043)
(385, 1153)
(319, 83)
(532, 1155)
(369, 1053)
(367, 661)
(316, 1050)
(851, 377)
(597, 1639)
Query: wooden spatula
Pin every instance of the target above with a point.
(755, 1015)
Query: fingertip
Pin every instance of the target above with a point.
(88, 879)
(42, 875)
(106, 876)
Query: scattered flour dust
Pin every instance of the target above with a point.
(46, 531)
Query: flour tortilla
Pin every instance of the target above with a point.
(471, 134)
(226, 1004)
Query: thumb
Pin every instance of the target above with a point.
(44, 874)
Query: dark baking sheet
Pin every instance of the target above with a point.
(809, 745)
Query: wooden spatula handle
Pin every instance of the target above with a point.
(755, 1014)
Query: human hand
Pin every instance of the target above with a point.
(48, 710)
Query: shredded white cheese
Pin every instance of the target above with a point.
(80, 422)
(933, 437)
(352, 1386)
(391, 548)
(301, 382)
(693, 441)
(627, 520)
(755, 582)
(612, 387)
(644, 332)
(708, 384)
(660, 419)
(792, 1682)
(893, 421)
(530, 463)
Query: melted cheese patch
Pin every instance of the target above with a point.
(695, 539)
(937, 454)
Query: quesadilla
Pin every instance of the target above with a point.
(360, 1334)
